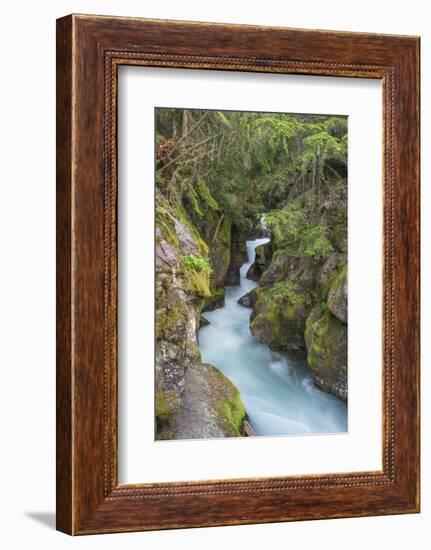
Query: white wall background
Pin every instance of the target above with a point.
(27, 218)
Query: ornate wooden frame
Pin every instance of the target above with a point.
(89, 51)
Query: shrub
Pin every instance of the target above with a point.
(198, 263)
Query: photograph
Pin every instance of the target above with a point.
(251, 283)
(216, 275)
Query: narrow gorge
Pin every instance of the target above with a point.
(277, 389)
(251, 318)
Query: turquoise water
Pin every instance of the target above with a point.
(277, 391)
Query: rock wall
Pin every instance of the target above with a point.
(193, 400)
(238, 255)
(301, 301)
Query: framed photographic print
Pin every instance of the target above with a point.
(237, 274)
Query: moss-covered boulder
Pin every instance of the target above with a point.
(214, 301)
(263, 256)
(326, 342)
(279, 316)
(261, 262)
(285, 266)
(278, 270)
(337, 295)
(249, 299)
(211, 407)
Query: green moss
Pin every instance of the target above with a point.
(219, 235)
(166, 225)
(184, 218)
(197, 282)
(232, 409)
(326, 340)
(215, 300)
(206, 196)
(160, 180)
(195, 203)
(316, 332)
(279, 316)
(334, 294)
(173, 317)
(225, 232)
(202, 245)
(200, 285)
(197, 272)
(163, 408)
(338, 280)
(338, 231)
(283, 292)
(166, 402)
(263, 256)
(203, 322)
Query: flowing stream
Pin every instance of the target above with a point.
(278, 391)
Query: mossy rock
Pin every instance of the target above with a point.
(263, 256)
(211, 407)
(261, 262)
(215, 301)
(249, 299)
(279, 316)
(326, 343)
(220, 250)
(170, 318)
(279, 268)
(203, 322)
(197, 282)
(166, 404)
(238, 255)
(338, 295)
(286, 266)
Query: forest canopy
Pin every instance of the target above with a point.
(244, 164)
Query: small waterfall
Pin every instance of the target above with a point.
(277, 391)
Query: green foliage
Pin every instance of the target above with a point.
(197, 272)
(159, 178)
(314, 242)
(327, 140)
(206, 196)
(293, 231)
(235, 165)
(287, 223)
(283, 291)
(274, 186)
(324, 308)
(160, 137)
(269, 138)
(198, 263)
(337, 126)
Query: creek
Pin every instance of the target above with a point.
(277, 389)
